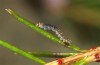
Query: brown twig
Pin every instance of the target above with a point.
(72, 59)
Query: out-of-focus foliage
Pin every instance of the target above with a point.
(85, 11)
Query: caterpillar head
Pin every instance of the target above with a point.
(39, 25)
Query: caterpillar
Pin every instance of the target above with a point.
(55, 30)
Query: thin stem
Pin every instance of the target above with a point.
(21, 52)
(85, 61)
(38, 29)
(52, 55)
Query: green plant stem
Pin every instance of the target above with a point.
(38, 29)
(84, 61)
(21, 52)
(52, 55)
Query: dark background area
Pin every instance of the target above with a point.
(78, 20)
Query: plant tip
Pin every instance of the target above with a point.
(9, 10)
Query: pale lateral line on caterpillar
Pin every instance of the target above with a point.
(55, 30)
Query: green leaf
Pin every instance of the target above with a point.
(84, 61)
(38, 29)
(52, 55)
(21, 52)
(81, 62)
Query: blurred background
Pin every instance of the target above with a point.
(78, 20)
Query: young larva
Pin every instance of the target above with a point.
(55, 30)
(47, 26)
